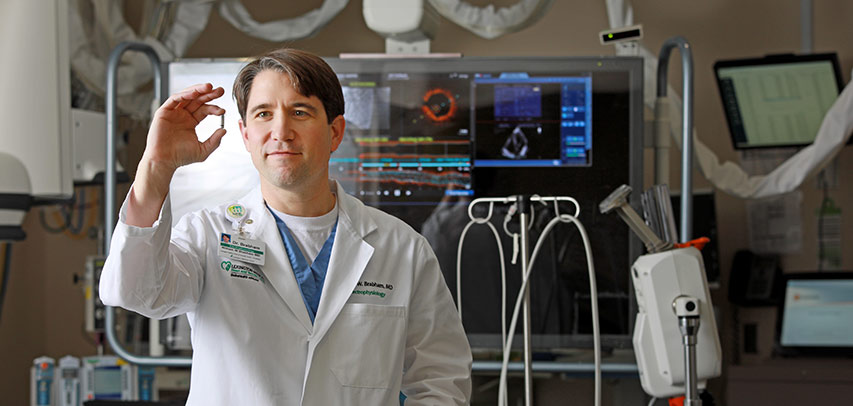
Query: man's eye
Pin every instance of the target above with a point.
(263, 114)
(300, 113)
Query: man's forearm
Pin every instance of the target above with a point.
(148, 193)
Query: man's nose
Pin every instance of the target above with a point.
(281, 129)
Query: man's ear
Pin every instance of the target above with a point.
(243, 133)
(337, 128)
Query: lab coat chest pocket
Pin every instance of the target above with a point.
(367, 344)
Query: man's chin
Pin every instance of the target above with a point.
(280, 180)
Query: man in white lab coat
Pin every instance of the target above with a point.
(296, 293)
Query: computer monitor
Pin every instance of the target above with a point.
(816, 315)
(777, 101)
(426, 136)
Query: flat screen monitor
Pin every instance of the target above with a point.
(816, 316)
(424, 137)
(777, 101)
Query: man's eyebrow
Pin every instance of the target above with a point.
(303, 105)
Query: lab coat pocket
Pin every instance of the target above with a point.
(367, 345)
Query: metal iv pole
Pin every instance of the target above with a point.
(110, 189)
(687, 125)
(524, 209)
(689, 325)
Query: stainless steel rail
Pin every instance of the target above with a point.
(110, 188)
(686, 232)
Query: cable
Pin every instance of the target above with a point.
(48, 227)
(64, 215)
(80, 205)
(503, 274)
(564, 218)
(485, 221)
(652, 401)
(7, 265)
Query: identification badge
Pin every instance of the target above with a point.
(242, 249)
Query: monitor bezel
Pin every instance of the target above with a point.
(800, 351)
(537, 64)
(784, 59)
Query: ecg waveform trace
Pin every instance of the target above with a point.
(409, 177)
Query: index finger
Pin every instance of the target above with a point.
(187, 95)
(194, 104)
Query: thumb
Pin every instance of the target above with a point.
(210, 145)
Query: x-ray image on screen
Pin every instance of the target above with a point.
(367, 107)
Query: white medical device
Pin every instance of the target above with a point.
(40, 76)
(674, 355)
(407, 25)
(35, 162)
(41, 381)
(68, 382)
(107, 377)
(671, 292)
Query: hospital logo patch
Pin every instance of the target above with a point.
(241, 271)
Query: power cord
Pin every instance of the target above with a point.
(486, 221)
(563, 218)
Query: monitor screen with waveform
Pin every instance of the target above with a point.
(413, 138)
(407, 140)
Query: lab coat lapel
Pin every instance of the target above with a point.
(350, 255)
(276, 267)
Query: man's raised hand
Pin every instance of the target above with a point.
(172, 140)
(172, 143)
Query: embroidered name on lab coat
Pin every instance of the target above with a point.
(370, 288)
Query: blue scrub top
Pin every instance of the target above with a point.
(309, 277)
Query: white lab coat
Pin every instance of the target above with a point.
(253, 341)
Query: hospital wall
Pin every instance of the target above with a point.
(43, 311)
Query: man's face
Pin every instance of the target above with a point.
(288, 134)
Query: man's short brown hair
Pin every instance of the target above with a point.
(309, 74)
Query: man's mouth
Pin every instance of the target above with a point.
(282, 153)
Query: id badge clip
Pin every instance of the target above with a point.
(237, 245)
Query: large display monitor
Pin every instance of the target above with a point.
(777, 101)
(426, 136)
